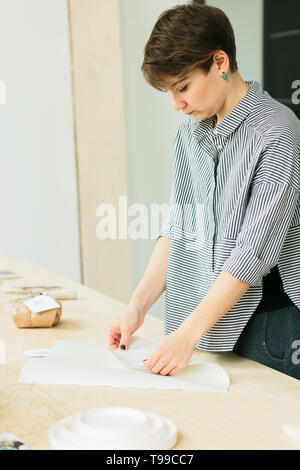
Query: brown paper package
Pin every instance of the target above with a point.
(24, 318)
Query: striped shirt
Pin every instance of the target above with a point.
(234, 206)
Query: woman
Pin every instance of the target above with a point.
(228, 255)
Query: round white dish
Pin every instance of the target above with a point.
(112, 428)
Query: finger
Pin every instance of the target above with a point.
(161, 364)
(166, 370)
(113, 339)
(113, 346)
(112, 336)
(124, 341)
(175, 371)
(152, 360)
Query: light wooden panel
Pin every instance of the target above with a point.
(100, 139)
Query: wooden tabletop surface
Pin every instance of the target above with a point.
(248, 416)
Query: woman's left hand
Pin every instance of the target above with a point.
(172, 355)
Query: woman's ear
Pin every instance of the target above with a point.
(221, 60)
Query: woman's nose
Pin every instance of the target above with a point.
(177, 102)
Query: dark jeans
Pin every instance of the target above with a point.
(273, 339)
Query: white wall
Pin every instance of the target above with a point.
(246, 17)
(151, 122)
(38, 189)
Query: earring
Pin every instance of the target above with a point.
(224, 75)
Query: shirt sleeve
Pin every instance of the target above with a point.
(268, 216)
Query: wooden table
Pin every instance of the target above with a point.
(248, 416)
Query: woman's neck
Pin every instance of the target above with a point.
(237, 89)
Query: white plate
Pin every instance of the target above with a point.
(112, 428)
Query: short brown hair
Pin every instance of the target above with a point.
(184, 38)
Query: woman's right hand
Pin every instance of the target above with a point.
(123, 327)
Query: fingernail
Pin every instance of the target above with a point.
(123, 346)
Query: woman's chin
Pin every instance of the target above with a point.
(198, 115)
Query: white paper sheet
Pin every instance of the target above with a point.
(91, 363)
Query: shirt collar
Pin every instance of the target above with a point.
(233, 119)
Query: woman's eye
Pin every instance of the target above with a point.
(183, 89)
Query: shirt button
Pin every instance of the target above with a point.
(215, 131)
(220, 147)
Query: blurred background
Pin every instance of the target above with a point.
(80, 127)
